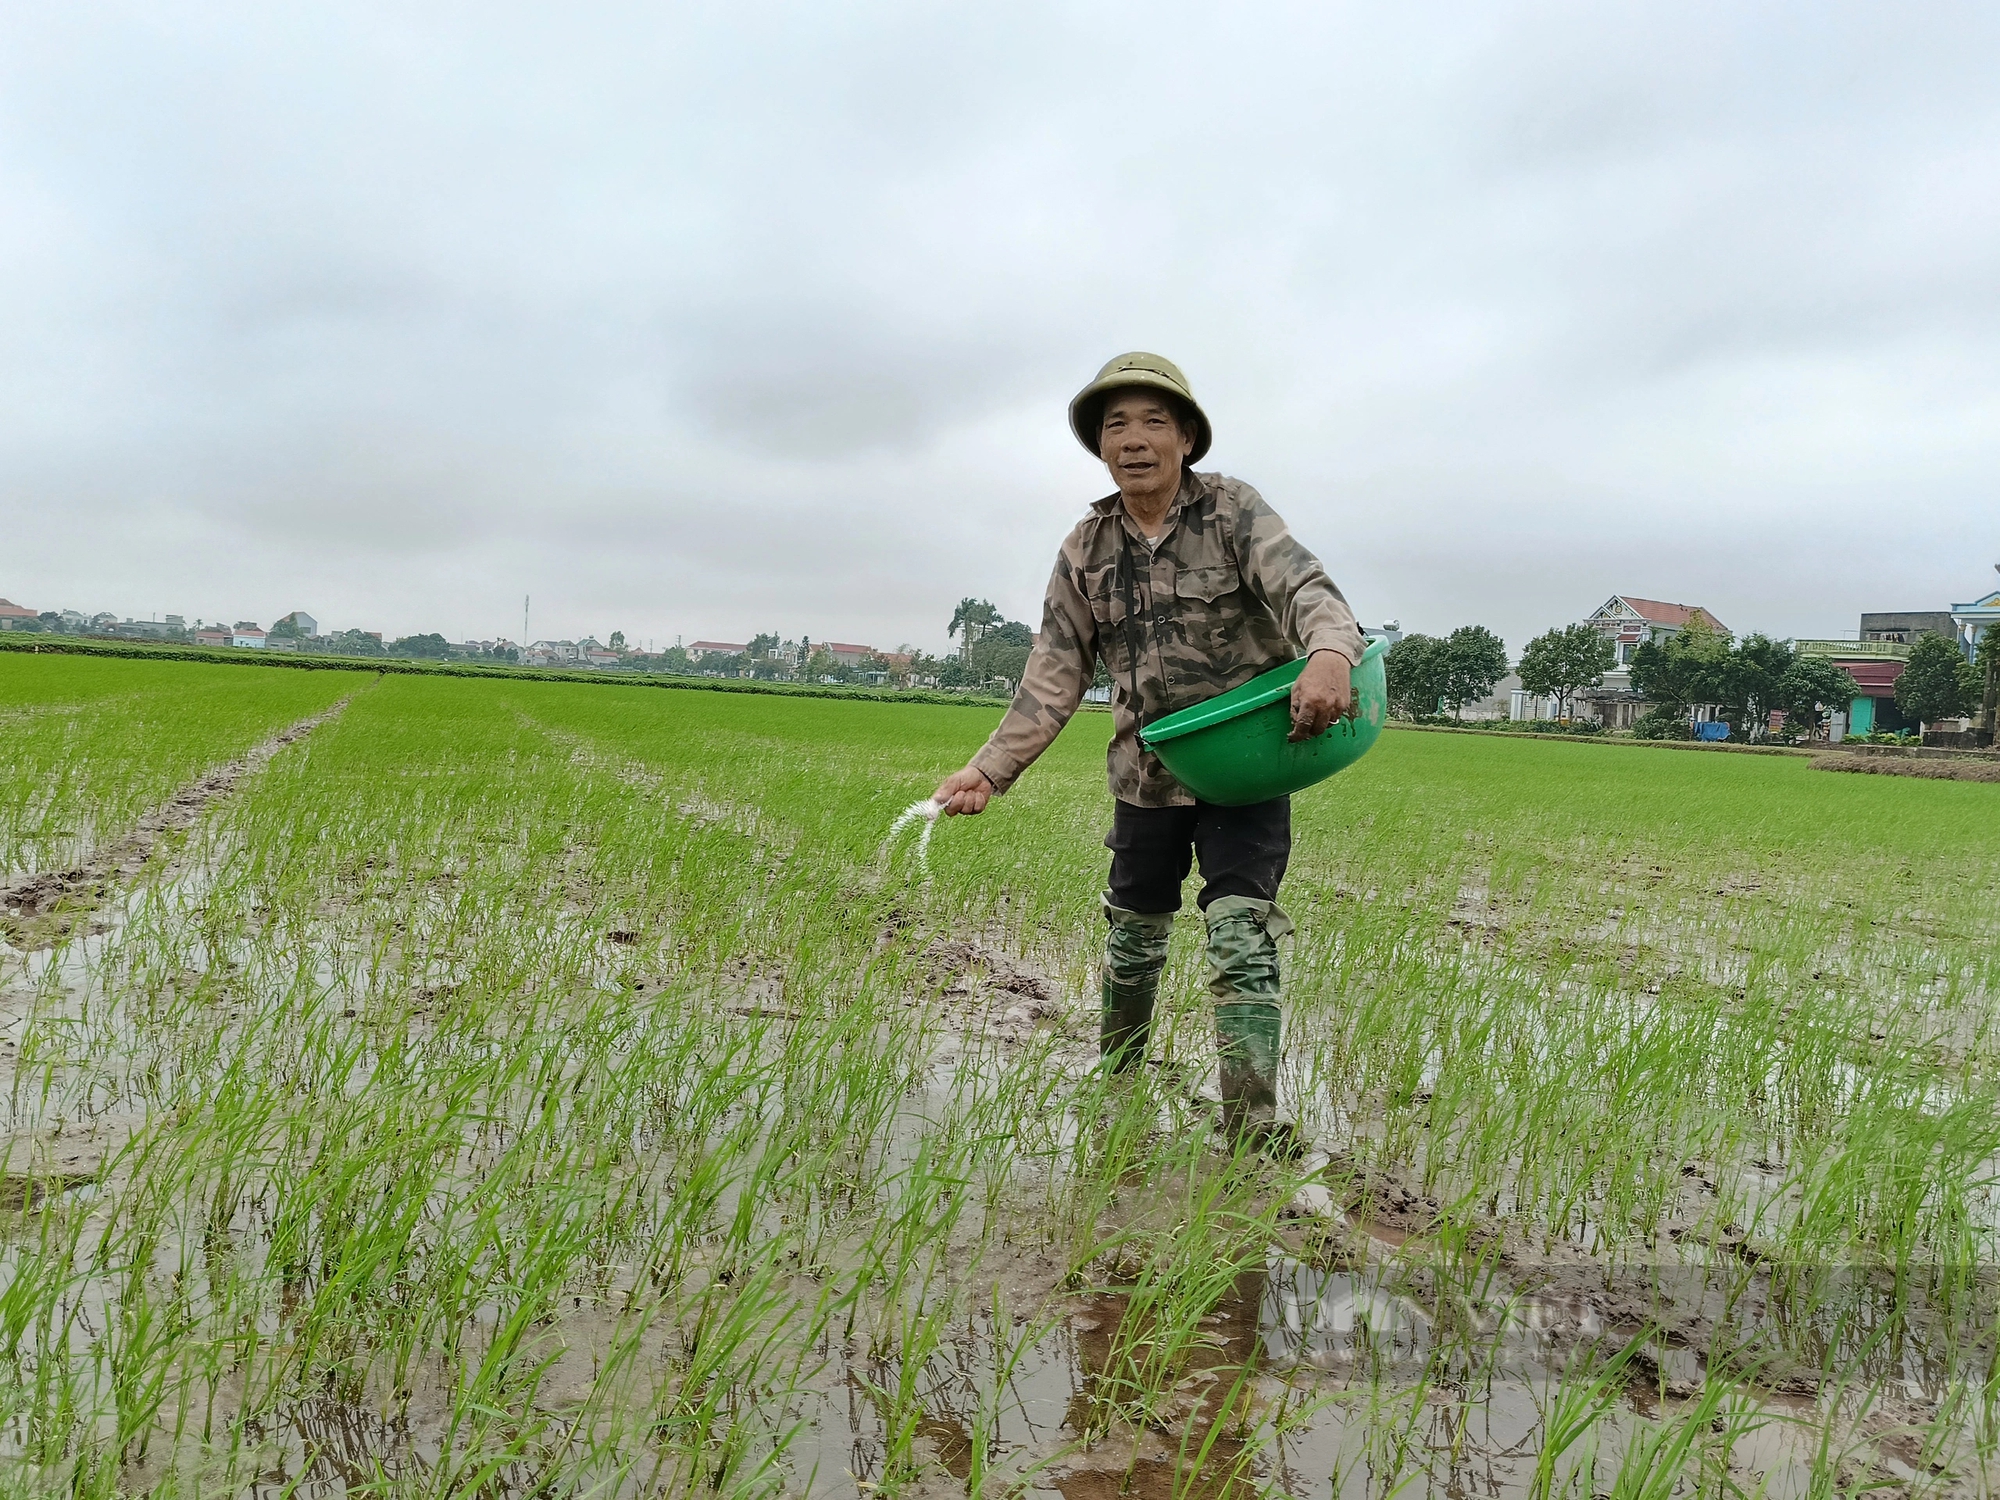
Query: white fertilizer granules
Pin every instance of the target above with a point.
(926, 812)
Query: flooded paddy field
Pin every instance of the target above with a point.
(442, 1086)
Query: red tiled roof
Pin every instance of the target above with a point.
(12, 611)
(838, 648)
(730, 646)
(1671, 614)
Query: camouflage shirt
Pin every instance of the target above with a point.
(1226, 594)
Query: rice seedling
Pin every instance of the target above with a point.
(516, 1088)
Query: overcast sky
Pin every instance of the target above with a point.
(699, 321)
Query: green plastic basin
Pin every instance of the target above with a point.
(1233, 750)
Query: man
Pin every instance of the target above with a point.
(1185, 585)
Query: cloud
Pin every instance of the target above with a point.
(698, 322)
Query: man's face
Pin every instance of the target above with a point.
(1141, 442)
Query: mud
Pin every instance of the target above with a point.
(38, 910)
(984, 992)
(1929, 770)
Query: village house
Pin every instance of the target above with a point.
(1876, 660)
(1875, 663)
(1906, 626)
(154, 628)
(1629, 622)
(13, 616)
(716, 648)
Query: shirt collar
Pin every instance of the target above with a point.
(1192, 487)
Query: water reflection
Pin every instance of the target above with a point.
(1333, 1320)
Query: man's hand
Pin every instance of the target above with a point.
(963, 792)
(1323, 693)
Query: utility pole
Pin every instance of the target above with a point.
(524, 622)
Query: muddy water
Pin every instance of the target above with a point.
(1314, 1383)
(1317, 1384)
(1347, 1374)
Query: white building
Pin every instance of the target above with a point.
(1972, 620)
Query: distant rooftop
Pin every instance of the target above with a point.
(1662, 613)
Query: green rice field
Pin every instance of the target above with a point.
(517, 1088)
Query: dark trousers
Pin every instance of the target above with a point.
(1243, 851)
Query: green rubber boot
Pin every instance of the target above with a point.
(1135, 952)
(1243, 935)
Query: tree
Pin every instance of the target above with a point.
(357, 643)
(430, 644)
(617, 640)
(1749, 680)
(287, 629)
(1686, 669)
(1559, 662)
(1416, 671)
(1474, 659)
(1813, 687)
(762, 645)
(972, 617)
(1937, 682)
(1002, 651)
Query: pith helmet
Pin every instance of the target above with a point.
(1086, 412)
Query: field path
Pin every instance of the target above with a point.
(38, 909)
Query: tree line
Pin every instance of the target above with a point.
(1746, 679)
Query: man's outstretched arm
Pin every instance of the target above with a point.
(1052, 684)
